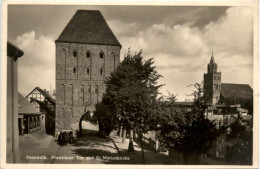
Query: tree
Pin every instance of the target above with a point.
(184, 129)
(107, 120)
(131, 93)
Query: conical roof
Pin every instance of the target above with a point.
(88, 26)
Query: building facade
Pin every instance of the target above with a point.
(212, 83)
(30, 119)
(216, 92)
(12, 133)
(44, 102)
(87, 52)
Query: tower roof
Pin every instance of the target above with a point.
(88, 26)
(212, 60)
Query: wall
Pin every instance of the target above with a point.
(80, 80)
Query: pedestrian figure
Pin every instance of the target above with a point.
(131, 147)
(60, 139)
(70, 137)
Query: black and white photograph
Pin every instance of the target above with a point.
(130, 84)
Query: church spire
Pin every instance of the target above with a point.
(212, 61)
(212, 66)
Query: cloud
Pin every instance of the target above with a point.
(180, 44)
(185, 49)
(232, 33)
(37, 66)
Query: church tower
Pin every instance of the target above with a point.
(212, 83)
(87, 52)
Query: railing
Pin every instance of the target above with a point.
(150, 143)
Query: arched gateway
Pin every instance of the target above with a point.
(87, 52)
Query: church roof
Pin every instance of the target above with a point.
(88, 26)
(238, 90)
(24, 107)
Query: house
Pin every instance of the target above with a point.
(30, 119)
(44, 102)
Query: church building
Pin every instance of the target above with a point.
(87, 52)
(216, 92)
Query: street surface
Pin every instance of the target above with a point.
(89, 149)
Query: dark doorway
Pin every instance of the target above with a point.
(80, 122)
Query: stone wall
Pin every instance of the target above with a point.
(80, 73)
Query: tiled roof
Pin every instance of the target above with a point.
(46, 95)
(88, 26)
(236, 90)
(24, 107)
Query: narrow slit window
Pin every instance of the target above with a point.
(101, 55)
(88, 70)
(75, 53)
(74, 70)
(101, 71)
(88, 54)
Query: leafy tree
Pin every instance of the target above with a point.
(187, 130)
(107, 120)
(131, 93)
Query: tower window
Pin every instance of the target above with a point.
(101, 71)
(88, 54)
(88, 70)
(75, 53)
(96, 89)
(101, 55)
(74, 70)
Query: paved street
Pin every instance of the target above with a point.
(89, 149)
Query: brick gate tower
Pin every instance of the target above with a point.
(212, 83)
(87, 52)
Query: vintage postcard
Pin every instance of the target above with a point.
(129, 84)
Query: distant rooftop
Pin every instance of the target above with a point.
(88, 26)
(24, 107)
(236, 90)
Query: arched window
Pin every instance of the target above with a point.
(81, 94)
(89, 94)
(113, 57)
(62, 94)
(96, 89)
(88, 54)
(74, 69)
(71, 112)
(62, 112)
(70, 94)
(101, 55)
(75, 53)
(96, 92)
(101, 71)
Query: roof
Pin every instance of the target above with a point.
(24, 107)
(88, 26)
(238, 90)
(212, 61)
(46, 95)
(46, 108)
(13, 51)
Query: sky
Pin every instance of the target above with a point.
(179, 38)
